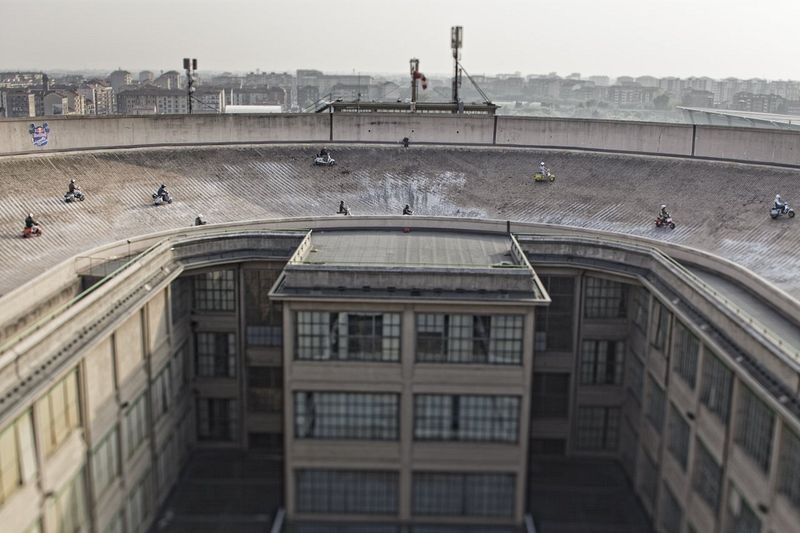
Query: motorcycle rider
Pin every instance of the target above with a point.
(162, 191)
(663, 214)
(407, 210)
(324, 154)
(342, 208)
(543, 168)
(199, 220)
(779, 204)
(30, 222)
(73, 186)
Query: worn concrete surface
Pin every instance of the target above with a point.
(718, 207)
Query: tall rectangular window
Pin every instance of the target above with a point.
(347, 491)
(635, 381)
(550, 395)
(604, 298)
(17, 456)
(553, 329)
(789, 470)
(136, 424)
(755, 428)
(479, 339)
(685, 354)
(346, 415)
(454, 494)
(655, 404)
(217, 419)
(671, 511)
(466, 418)
(161, 388)
(640, 308)
(215, 291)
(660, 325)
(715, 387)
(678, 444)
(67, 511)
(602, 362)
(598, 428)
(216, 355)
(139, 503)
(105, 462)
(265, 389)
(60, 413)
(347, 336)
(181, 298)
(648, 477)
(707, 476)
(742, 518)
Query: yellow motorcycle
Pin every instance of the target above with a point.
(546, 176)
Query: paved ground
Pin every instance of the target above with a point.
(718, 207)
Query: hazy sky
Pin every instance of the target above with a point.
(717, 38)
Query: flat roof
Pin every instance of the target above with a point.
(420, 248)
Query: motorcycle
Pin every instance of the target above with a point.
(159, 199)
(775, 212)
(544, 176)
(346, 212)
(77, 195)
(34, 231)
(324, 161)
(665, 221)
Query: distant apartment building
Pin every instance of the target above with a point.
(208, 100)
(101, 96)
(603, 81)
(761, 103)
(151, 100)
(257, 96)
(170, 80)
(228, 81)
(63, 102)
(695, 98)
(146, 76)
(119, 79)
(21, 80)
(647, 81)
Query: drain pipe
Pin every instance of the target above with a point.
(277, 524)
(529, 525)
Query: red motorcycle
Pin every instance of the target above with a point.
(34, 231)
(665, 221)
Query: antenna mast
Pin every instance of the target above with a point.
(456, 42)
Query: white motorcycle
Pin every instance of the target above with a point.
(74, 196)
(775, 212)
(324, 161)
(159, 199)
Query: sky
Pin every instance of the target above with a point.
(716, 38)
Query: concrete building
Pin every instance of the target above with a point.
(170, 80)
(101, 96)
(146, 76)
(119, 79)
(17, 103)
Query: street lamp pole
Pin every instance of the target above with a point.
(190, 65)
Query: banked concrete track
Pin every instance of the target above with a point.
(720, 208)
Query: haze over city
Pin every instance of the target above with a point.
(715, 38)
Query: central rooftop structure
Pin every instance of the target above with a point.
(420, 264)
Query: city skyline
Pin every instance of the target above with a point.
(674, 38)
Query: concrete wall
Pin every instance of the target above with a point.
(741, 144)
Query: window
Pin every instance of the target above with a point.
(177, 365)
(264, 317)
(139, 503)
(167, 461)
(679, 430)
(346, 491)
(452, 494)
(67, 512)
(216, 355)
(640, 308)
(741, 517)
(105, 462)
(754, 433)
(635, 381)
(136, 424)
(215, 291)
(554, 322)
(602, 362)
(550, 395)
(707, 476)
(180, 298)
(348, 336)
(715, 392)
(598, 428)
(265, 389)
(480, 339)
(345, 415)
(671, 512)
(660, 326)
(548, 446)
(685, 354)
(648, 478)
(60, 413)
(466, 418)
(161, 388)
(217, 419)
(17, 456)
(789, 470)
(272, 442)
(655, 404)
(604, 298)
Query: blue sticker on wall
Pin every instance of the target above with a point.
(39, 134)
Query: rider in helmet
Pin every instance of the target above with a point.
(342, 208)
(199, 220)
(663, 214)
(407, 210)
(72, 185)
(29, 222)
(324, 153)
(162, 191)
(543, 168)
(779, 204)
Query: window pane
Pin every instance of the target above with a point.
(605, 298)
(476, 339)
(338, 415)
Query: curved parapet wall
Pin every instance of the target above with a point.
(723, 143)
